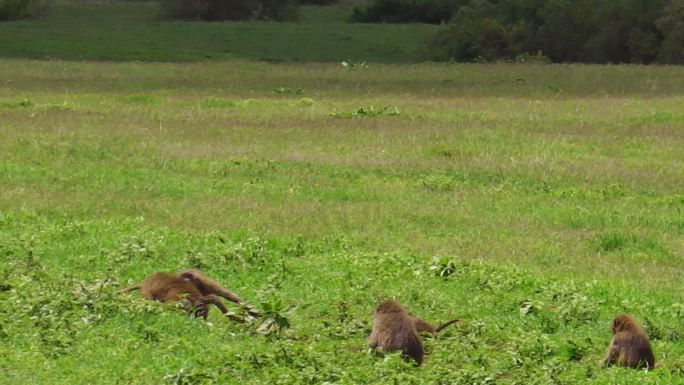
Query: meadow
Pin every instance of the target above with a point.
(534, 201)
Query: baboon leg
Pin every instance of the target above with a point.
(413, 350)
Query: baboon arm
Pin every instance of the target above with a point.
(213, 299)
(207, 285)
(230, 296)
(373, 340)
(611, 355)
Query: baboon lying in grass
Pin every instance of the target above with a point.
(395, 329)
(629, 346)
(193, 288)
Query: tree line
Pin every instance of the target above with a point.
(591, 31)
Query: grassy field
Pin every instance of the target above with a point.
(536, 202)
(126, 31)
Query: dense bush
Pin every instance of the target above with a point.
(22, 9)
(595, 31)
(317, 2)
(183, 9)
(278, 10)
(475, 33)
(220, 10)
(671, 25)
(406, 11)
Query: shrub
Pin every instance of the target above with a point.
(183, 9)
(671, 25)
(476, 33)
(22, 9)
(406, 11)
(317, 2)
(594, 31)
(620, 30)
(278, 10)
(220, 10)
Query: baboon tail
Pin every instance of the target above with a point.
(126, 290)
(442, 326)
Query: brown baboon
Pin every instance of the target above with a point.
(629, 346)
(395, 329)
(194, 289)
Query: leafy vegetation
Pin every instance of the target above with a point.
(368, 112)
(517, 327)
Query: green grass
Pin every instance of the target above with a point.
(128, 31)
(536, 213)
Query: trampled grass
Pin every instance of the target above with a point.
(535, 212)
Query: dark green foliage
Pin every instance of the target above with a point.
(218, 10)
(475, 33)
(221, 10)
(671, 25)
(183, 9)
(621, 31)
(278, 10)
(22, 9)
(407, 11)
(317, 2)
(603, 31)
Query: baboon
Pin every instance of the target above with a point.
(395, 329)
(629, 346)
(192, 287)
